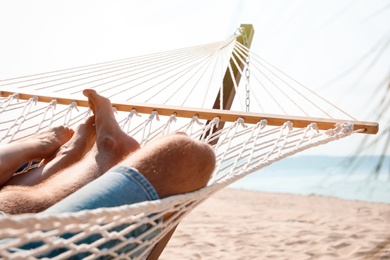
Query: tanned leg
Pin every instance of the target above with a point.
(173, 164)
(111, 146)
(37, 147)
(71, 152)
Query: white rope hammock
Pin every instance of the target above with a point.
(181, 84)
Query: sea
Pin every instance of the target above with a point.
(354, 178)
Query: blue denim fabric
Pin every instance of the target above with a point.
(119, 186)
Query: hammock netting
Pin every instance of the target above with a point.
(188, 77)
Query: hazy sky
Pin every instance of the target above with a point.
(313, 41)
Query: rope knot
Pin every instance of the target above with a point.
(241, 121)
(53, 103)
(172, 118)
(73, 105)
(347, 128)
(15, 96)
(196, 120)
(154, 114)
(313, 126)
(344, 128)
(216, 121)
(263, 123)
(34, 99)
(134, 112)
(288, 125)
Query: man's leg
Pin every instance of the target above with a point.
(174, 164)
(37, 147)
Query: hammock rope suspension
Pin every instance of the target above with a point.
(159, 94)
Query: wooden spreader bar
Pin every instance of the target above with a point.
(209, 114)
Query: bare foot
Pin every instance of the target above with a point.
(109, 135)
(35, 148)
(46, 143)
(71, 152)
(82, 141)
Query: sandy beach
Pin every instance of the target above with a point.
(243, 224)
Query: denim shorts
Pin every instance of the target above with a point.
(117, 187)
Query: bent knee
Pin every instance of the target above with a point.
(177, 164)
(200, 157)
(191, 154)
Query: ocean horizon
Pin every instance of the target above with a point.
(351, 178)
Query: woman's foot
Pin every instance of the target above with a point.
(45, 144)
(35, 148)
(71, 152)
(82, 141)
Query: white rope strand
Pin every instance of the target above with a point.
(50, 108)
(147, 130)
(239, 148)
(68, 114)
(301, 85)
(128, 120)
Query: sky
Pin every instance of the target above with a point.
(335, 47)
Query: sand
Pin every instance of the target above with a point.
(242, 224)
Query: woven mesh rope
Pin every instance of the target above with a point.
(190, 78)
